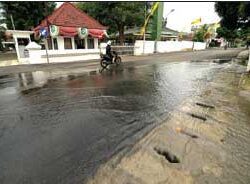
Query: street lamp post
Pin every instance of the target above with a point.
(166, 19)
(170, 12)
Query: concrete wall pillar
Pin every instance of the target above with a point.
(73, 43)
(86, 43)
(60, 42)
(17, 47)
(95, 43)
(52, 42)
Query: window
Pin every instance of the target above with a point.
(90, 43)
(79, 43)
(67, 43)
(55, 44)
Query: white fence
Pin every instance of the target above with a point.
(166, 46)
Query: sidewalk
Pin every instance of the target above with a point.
(8, 63)
(198, 144)
(8, 59)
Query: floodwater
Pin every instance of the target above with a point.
(58, 127)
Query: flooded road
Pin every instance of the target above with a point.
(58, 127)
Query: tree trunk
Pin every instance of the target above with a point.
(121, 35)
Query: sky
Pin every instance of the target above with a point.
(185, 12)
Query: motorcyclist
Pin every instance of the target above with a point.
(108, 51)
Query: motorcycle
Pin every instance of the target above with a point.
(106, 60)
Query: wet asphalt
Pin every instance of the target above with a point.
(59, 127)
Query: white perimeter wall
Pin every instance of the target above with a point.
(61, 55)
(149, 47)
(166, 46)
(58, 56)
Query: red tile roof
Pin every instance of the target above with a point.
(69, 16)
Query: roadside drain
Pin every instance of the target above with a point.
(197, 116)
(167, 155)
(34, 89)
(178, 129)
(221, 61)
(205, 105)
(190, 135)
(71, 77)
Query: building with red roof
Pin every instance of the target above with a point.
(68, 33)
(68, 21)
(69, 18)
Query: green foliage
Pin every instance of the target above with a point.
(26, 15)
(226, 33)
(2, 32)
(244, 34)
(200, 34)
(235, 19)
(115, 15)
(228, 11)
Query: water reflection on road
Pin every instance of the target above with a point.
(58, 127)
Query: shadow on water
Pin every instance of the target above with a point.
(62, 125)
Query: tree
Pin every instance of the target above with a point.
(235, 19)
(2, 34)
(27, 14)
(115, 15)
(226, 33)
(201, 34)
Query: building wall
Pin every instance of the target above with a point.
(63, 55)
(60, 42)
(58, 56)
(148, 48)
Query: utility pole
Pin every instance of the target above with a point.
(46, 41)
(48, 34)
(46, 49)
(15, 39)
(248, 65)
(12, 22)
(193, 41)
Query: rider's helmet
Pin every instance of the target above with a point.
(109, 42)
